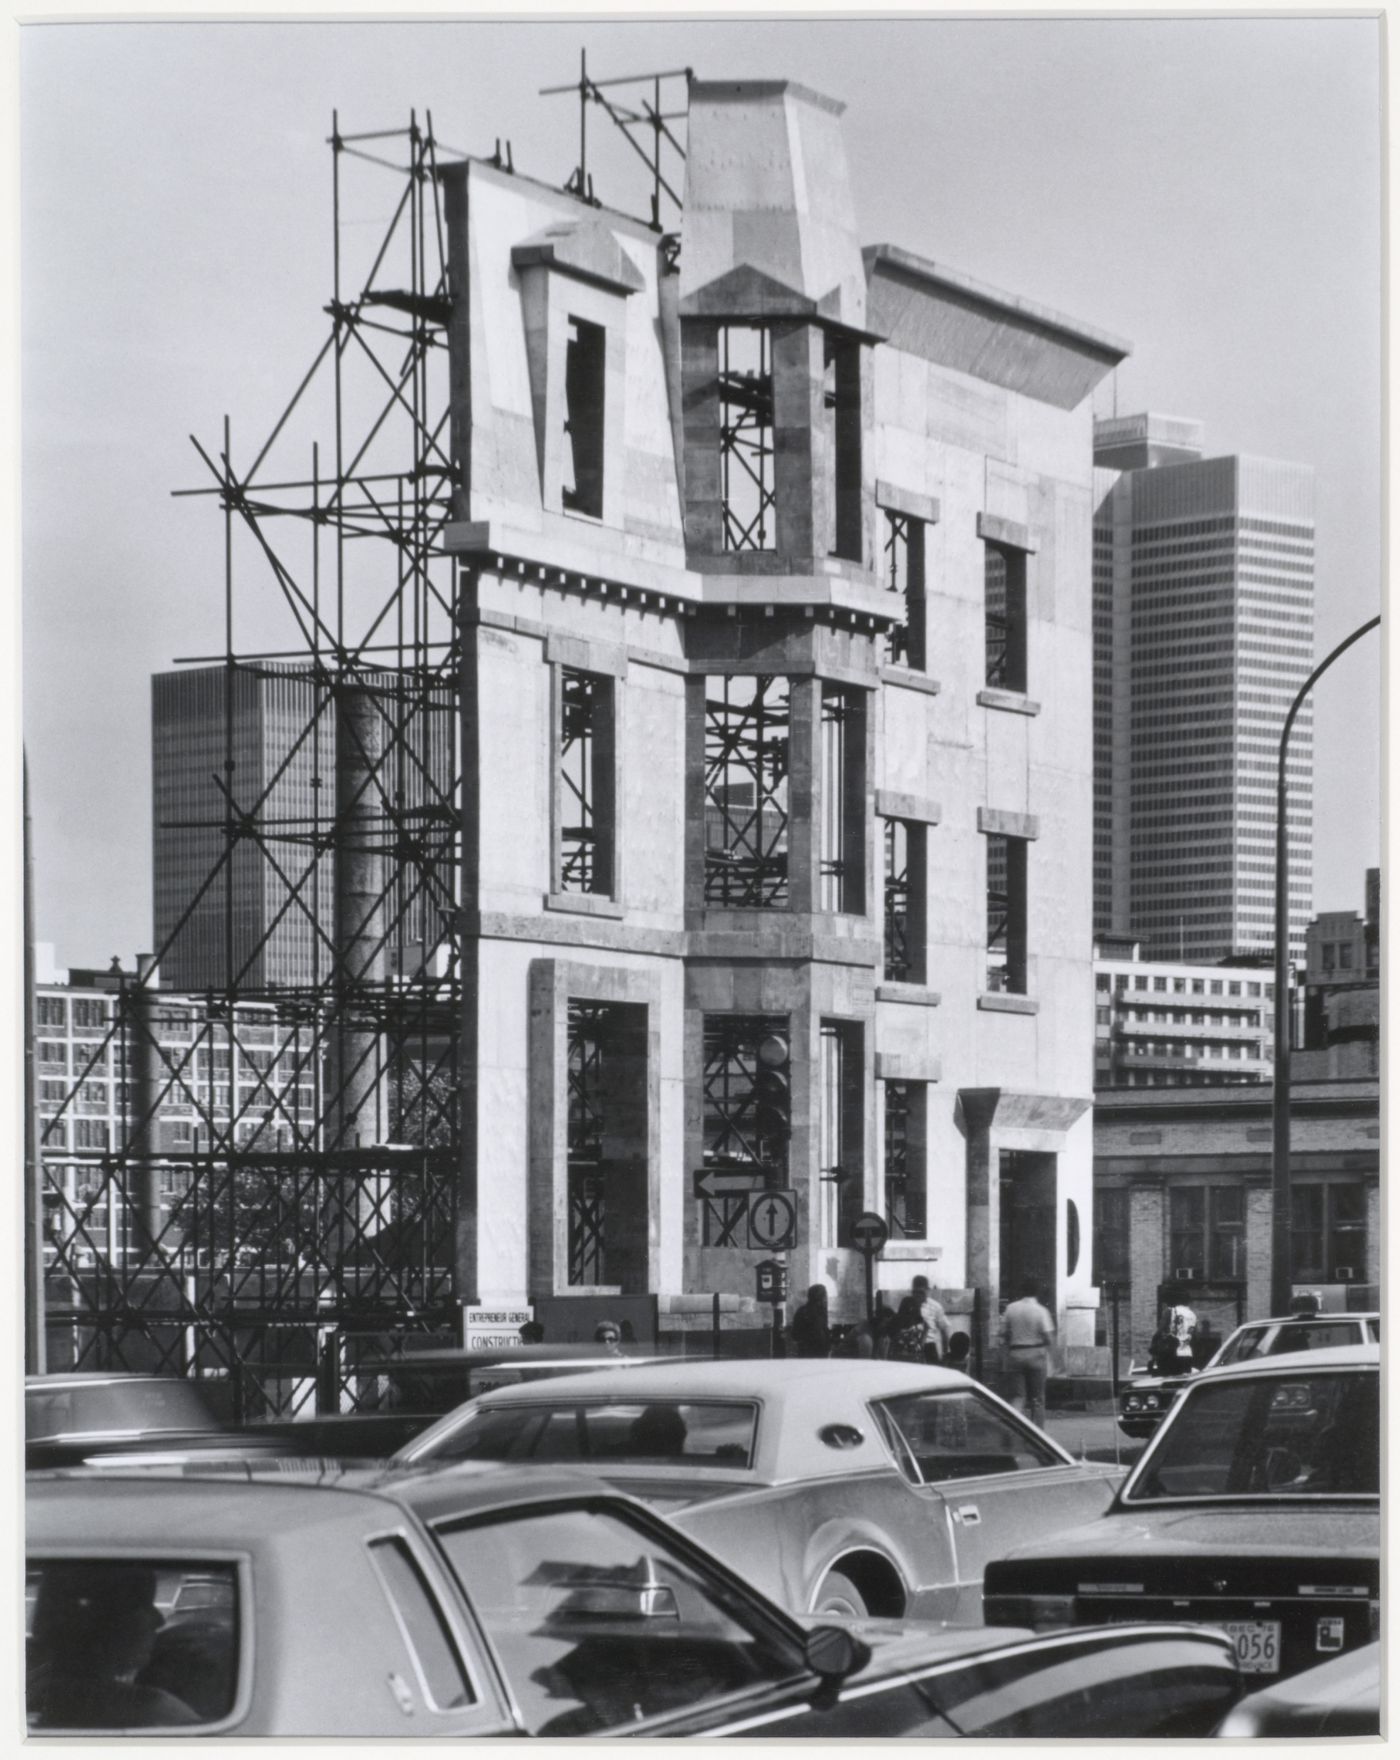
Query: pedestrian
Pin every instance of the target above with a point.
(959, 1350)
(1161, 1353)
(532, 1332)
(855, 1341)
(1181, 1323)
(937, 1329)
(909, 1334)
(608, 1334)
(1027, 1332)
(811, 1325)
(882, 1325)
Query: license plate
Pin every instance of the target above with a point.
(1256, 1644)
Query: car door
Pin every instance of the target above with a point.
(1001, 1482)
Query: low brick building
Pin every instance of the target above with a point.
(1182, 1192)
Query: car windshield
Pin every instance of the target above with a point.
(1288, 1336)
(598, 1623)
(89, 1408)
(122, 1644)
(1268, 1436)
(696, 1432)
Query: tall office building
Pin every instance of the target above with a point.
(1203, 632)
(247, 789)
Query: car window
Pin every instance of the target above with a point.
(425, 1629)
(598, 1624)
(1373, 1331)
(1277, 1435)
(705, 1432)
(1312, 1335)
(960, 1434)
(1154, 1687)
(116, 1405)
(123, 1644)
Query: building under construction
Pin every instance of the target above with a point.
(678, 837)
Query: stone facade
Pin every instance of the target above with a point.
(763, 719)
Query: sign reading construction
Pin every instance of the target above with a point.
(773, 1221)
(493, 1329)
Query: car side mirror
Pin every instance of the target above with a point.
(831, 1652)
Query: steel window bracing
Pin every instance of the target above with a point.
(906, 1197)
(747, 726)
(1006, 914)
(587, 1028)
(746, 1093)
(898, 962)
(904, 576)
(586, 790)
(287, 1224)
(746, 437)
(840, 1129)
(1004, 581)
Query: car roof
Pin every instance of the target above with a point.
(100, 1378)
(1334, 1356)
(1329, 1315)
(179, 1508)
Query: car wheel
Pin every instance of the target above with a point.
(839, 1595)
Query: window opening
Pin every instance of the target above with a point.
(747, 725)
(1006, 914)
(897, 960)
(607, 1138)
(586, 788)
(906, 1174)
(1329, 1232)
(747, 1096)
(841, 405)
(424, 1627)
(1112, 1260)
(1004, 575)
(841, 1131)
(843, 800)
(904, 576)
(585, 376)
(746, 436)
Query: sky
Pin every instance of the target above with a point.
(1207, 188)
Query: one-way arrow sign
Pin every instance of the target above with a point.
(710, 1182)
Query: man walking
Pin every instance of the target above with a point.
(1027, 1332)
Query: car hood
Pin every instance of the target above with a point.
(1328, 1531)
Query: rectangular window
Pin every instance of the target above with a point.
(1006, 914)
(906, 868)
(1329, 1233)
(585, 376)
(1004, 578)
(49, 1011)
(905, 645)
(746, 437)
(842, 855)
(90, 1133)
(841, 402)
(89, 1014)
(841, 1128)
(906, 1160)
(747, 724)
(1227, 1233)
(585, 782)
(747, 1117)
(53, 1053)
(1188, 1233)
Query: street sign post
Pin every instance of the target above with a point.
(869, 1233)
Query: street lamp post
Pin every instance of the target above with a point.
(1281, 1280)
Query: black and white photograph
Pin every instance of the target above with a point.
(698, 778)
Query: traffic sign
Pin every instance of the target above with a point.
(773, 1221)
(710, 1182)
(869, 1233)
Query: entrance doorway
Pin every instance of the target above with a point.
(1027, 1192)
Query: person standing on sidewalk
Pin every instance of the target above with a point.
(934, 1318)
(1027, 1332)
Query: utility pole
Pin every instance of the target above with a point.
(1281, 1280)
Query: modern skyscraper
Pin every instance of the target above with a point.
(1203, 632)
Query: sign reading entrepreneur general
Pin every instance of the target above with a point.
(493, 1329)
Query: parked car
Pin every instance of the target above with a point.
(484, 1602)
(1146, 1399)
(837, 1487)
(1337, 1698)
(1255, 1508)
(71, 1419)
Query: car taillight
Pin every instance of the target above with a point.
(1039, 1612)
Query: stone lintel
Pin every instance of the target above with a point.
(1007, 531)
(1017, 702)
(903, 679)
(582, 654)
(1025, 826)
(890, 805)
(907, 501)
(912, 995)
(1003, 1002)
(907, 1066)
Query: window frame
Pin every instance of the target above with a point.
(445, 1606)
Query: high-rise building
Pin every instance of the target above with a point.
(1160, 1024)
(1203, 632)
(246, 796)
